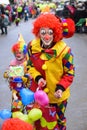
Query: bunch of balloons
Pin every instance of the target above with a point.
(28, 97)
(32, 116)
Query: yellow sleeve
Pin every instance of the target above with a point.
(33, 72)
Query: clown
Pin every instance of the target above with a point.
(52, 60)
(15, 72)
(19, 50)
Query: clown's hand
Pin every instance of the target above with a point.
(58, 93)
(41, 83)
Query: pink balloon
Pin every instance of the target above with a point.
(41, 97)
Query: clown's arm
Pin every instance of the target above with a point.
(69, 72)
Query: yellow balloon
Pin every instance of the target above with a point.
(43, 122)
(25, 118)
(51, 125)
(35, 114)
(30, 121)
(17, 114)
(20, 115)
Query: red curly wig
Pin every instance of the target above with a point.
(62, 28)
(16, 124)
(50, 21)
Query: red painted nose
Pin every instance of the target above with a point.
(18, 55)
(47, 37)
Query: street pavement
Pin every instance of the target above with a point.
(76, 112)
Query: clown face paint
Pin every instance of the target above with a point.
(46, 35)
(19, 55)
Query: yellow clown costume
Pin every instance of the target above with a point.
(52, 72)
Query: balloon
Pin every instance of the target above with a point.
(27, 96)
(5, 114)
(20, 115)
(17, 114)
(41, 97)
(35, 114)
(30, 121)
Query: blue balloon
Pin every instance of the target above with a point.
(5, 114)
(27, 96)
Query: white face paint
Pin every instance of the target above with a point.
(19, 55)
(46, 35)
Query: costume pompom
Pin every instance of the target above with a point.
(68, 27)
(16, 124)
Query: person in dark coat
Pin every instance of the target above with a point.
(4, 22)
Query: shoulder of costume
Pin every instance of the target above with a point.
(61, 47)
(35, 41)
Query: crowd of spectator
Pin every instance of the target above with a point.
(15, 13)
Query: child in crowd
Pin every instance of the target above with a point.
(17, 20)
